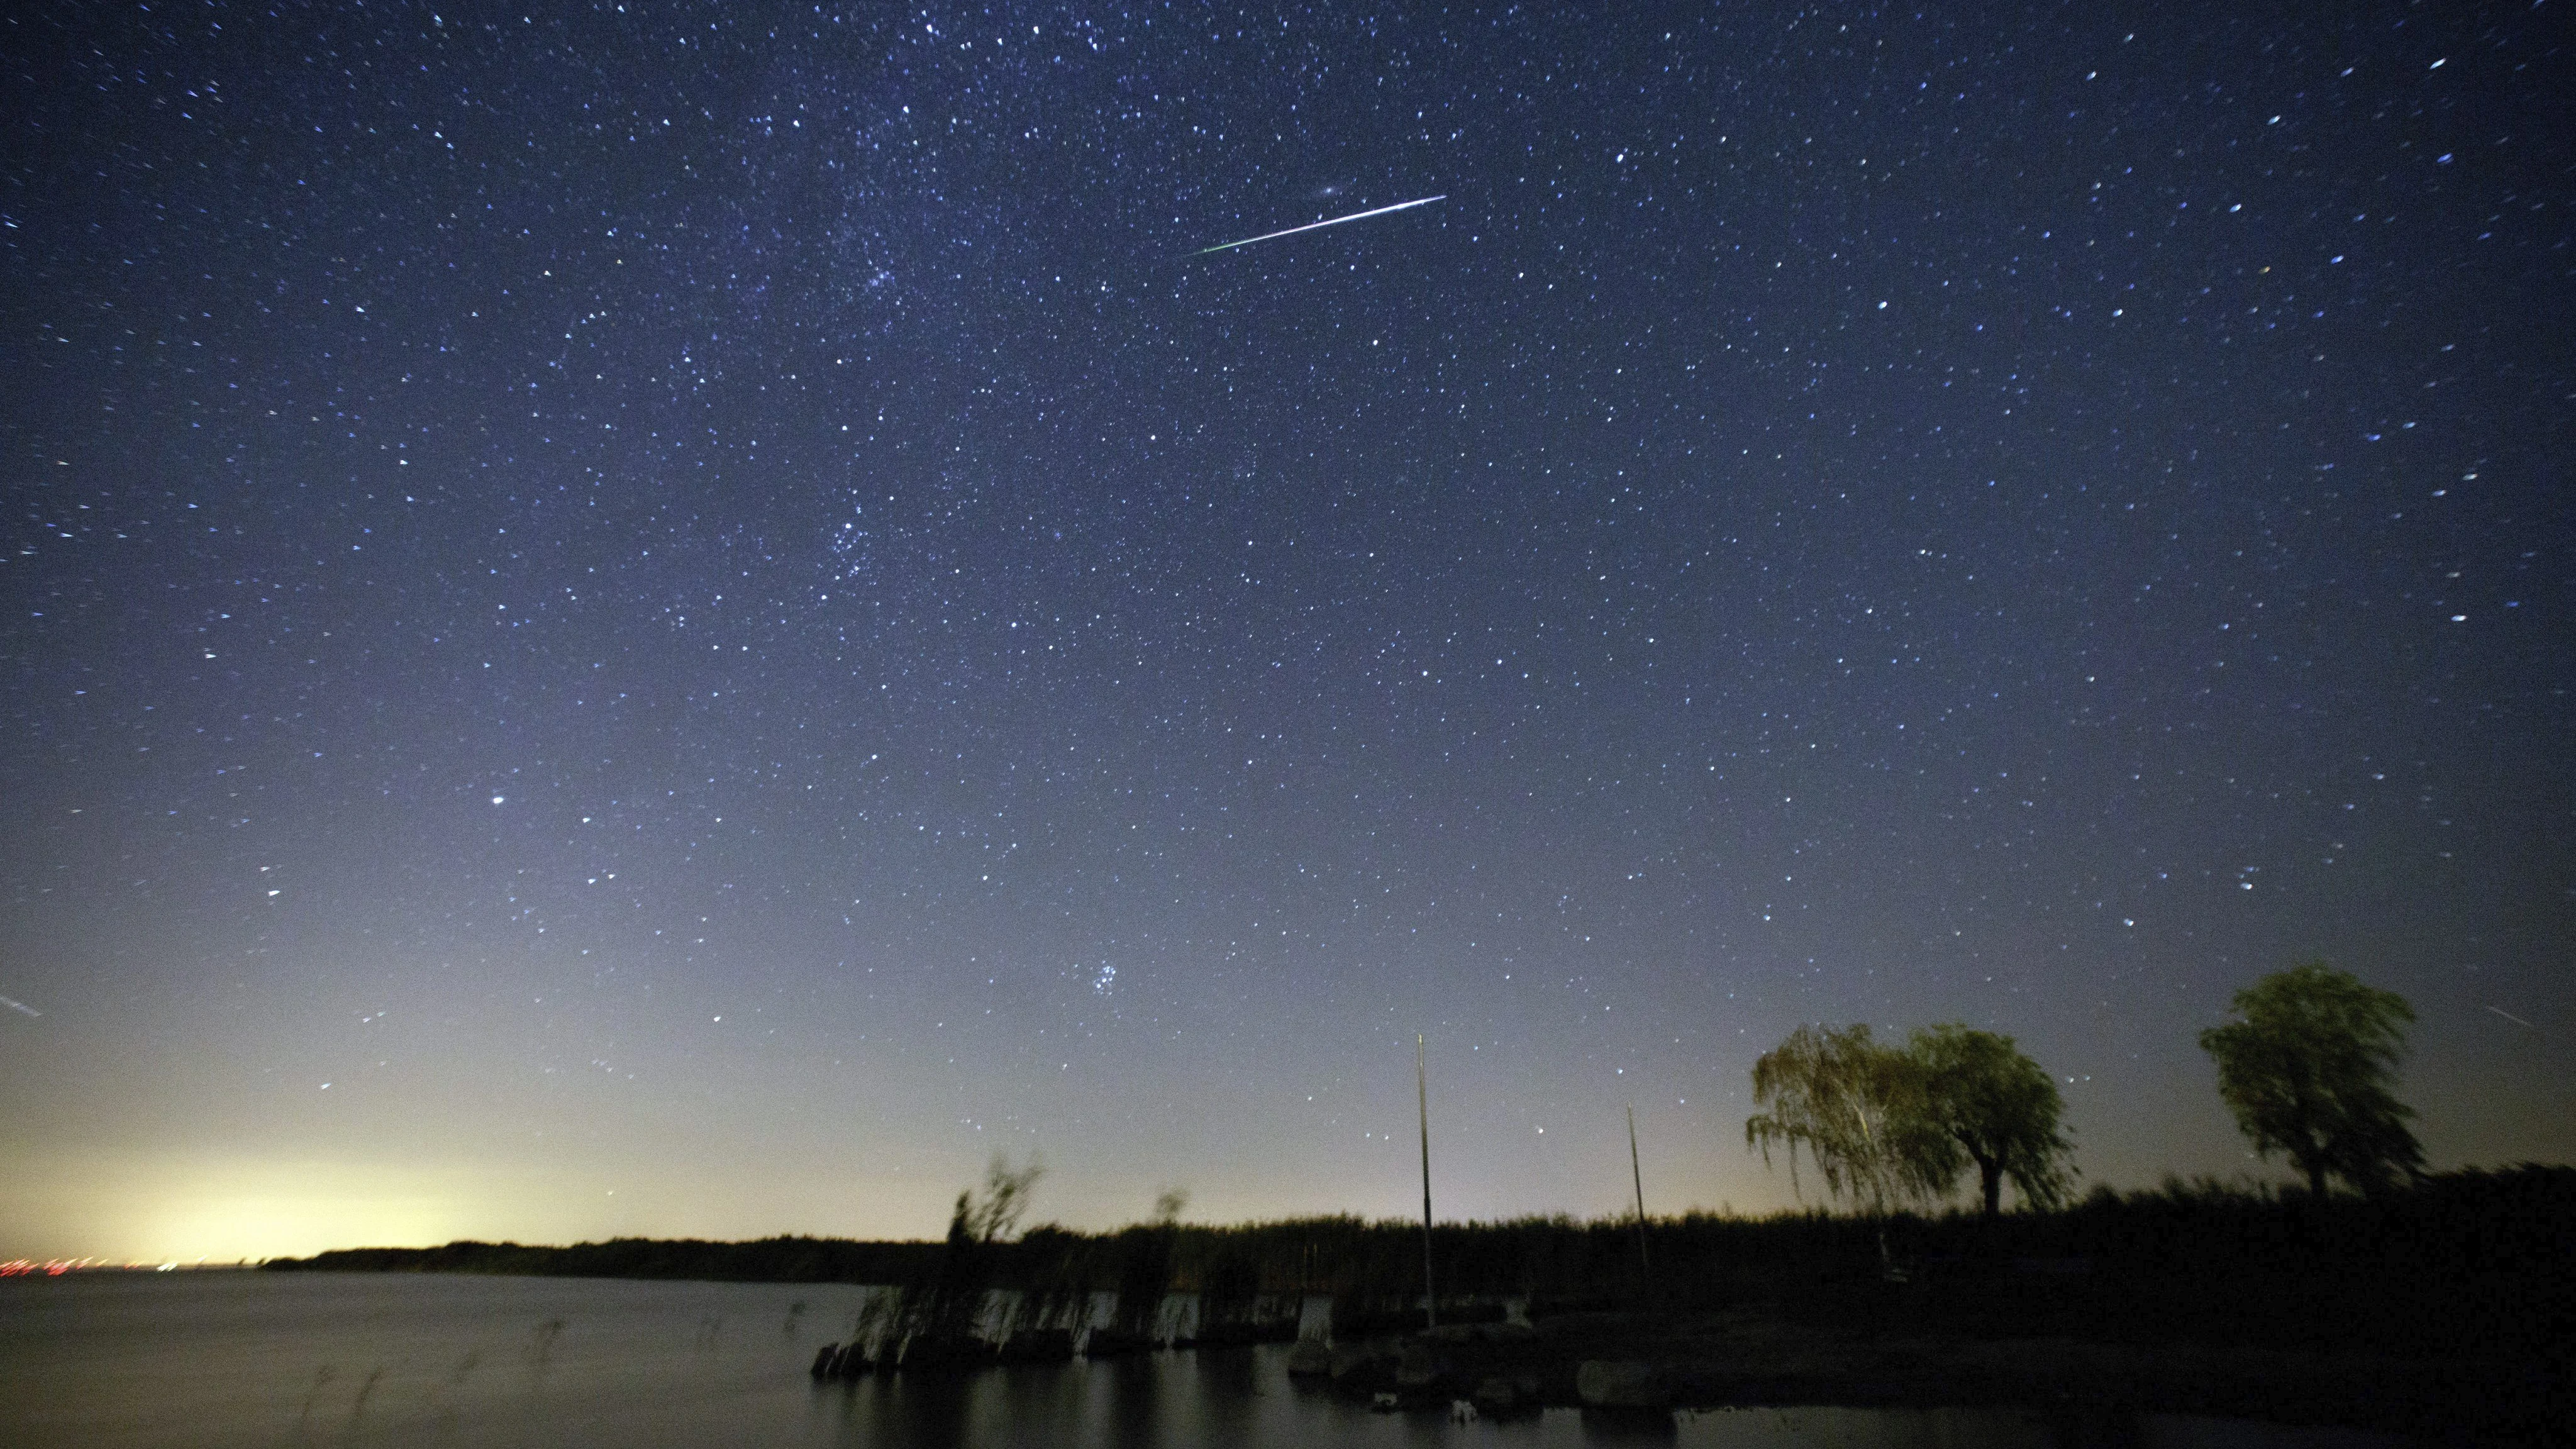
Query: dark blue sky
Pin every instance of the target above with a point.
(689, 619)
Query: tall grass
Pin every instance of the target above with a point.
(2478, 1256)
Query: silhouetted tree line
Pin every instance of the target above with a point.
(2472, 1259)
(2308, 1069)
(2477, 1257)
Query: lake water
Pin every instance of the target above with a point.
(139, 1361)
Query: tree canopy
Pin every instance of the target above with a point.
(1857, 1107)
(993, 1215)
(1999, 1107)
(2308, 1071)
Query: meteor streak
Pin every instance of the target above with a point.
(2509, 1016)
(1310, 226)
(19, 1006)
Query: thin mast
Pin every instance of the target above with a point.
(1639, 1178)
(1422, 1095)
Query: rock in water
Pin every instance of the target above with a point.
(1036, 1345)
(1420, 1365)
(823, 1360)
(1605, 1383)
(1353, 1358)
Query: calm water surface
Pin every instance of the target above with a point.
(136, 1361)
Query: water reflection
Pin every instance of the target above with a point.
(209, 1361)
(1243, 1397)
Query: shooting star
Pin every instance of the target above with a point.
(1310, 226)
(19, 1006)
(2498, 1010)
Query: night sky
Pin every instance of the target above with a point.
(688, 620)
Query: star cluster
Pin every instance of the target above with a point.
(688, 619)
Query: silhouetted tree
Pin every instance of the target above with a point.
(942, 1301)
(1999, 1107)
(993, 1216)
(1145, 1253)
(1858, 1109)
(2308, 1071)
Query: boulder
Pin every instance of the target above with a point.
(944, 1351)
(1109, 1342)
(1349, 1359)
(1037, 1345)
(1608, 1383)
(1420, 1365)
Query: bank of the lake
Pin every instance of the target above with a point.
(1750, 1359)
(236, 1360)
(2443, 1304)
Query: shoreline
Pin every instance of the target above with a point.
(2089, 1382)
(1745, 1359)
(2436, 1308)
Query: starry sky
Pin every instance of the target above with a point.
(689, 619)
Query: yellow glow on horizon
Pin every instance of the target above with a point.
(188, 1207)
(223, 1222)
(222, 1211)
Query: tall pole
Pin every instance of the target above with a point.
(1422, 1097)
(1644, 1278)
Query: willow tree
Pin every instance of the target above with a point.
(995, 1214)
(1857, 1108)
(2001, 1109)
(2308, 1072)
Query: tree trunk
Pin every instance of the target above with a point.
(2317, 1178)
(1992, 1173)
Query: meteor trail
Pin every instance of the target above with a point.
(2509, 1016)
(1310, 226)
(19, 1006)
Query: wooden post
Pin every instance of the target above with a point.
(1422, 1096)
(1645, 1279)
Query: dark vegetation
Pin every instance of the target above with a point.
(2309, 1068)
(2440, 1304)
(2458, 1263)
(1892, 1126)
